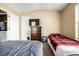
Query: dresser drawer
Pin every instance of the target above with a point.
(35, 33)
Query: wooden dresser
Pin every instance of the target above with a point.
(35, 33)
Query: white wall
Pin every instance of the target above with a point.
(50, 21)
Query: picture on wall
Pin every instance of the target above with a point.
(34, 22)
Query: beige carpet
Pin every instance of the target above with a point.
(47, 50)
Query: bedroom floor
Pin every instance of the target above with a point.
(47, 50)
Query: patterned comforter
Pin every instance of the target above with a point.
(64, 46)
(58, 39)
(21, 48)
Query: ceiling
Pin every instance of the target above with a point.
(27, 7)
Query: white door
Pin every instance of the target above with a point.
(13, 27)
(24, 27)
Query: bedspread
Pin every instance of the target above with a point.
(21, 48)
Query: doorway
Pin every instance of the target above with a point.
(3, 25)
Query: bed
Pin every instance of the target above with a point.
(21, 48)
(62, 45)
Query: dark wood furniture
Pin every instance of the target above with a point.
(35, 33)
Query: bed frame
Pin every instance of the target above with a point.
(48, 41)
